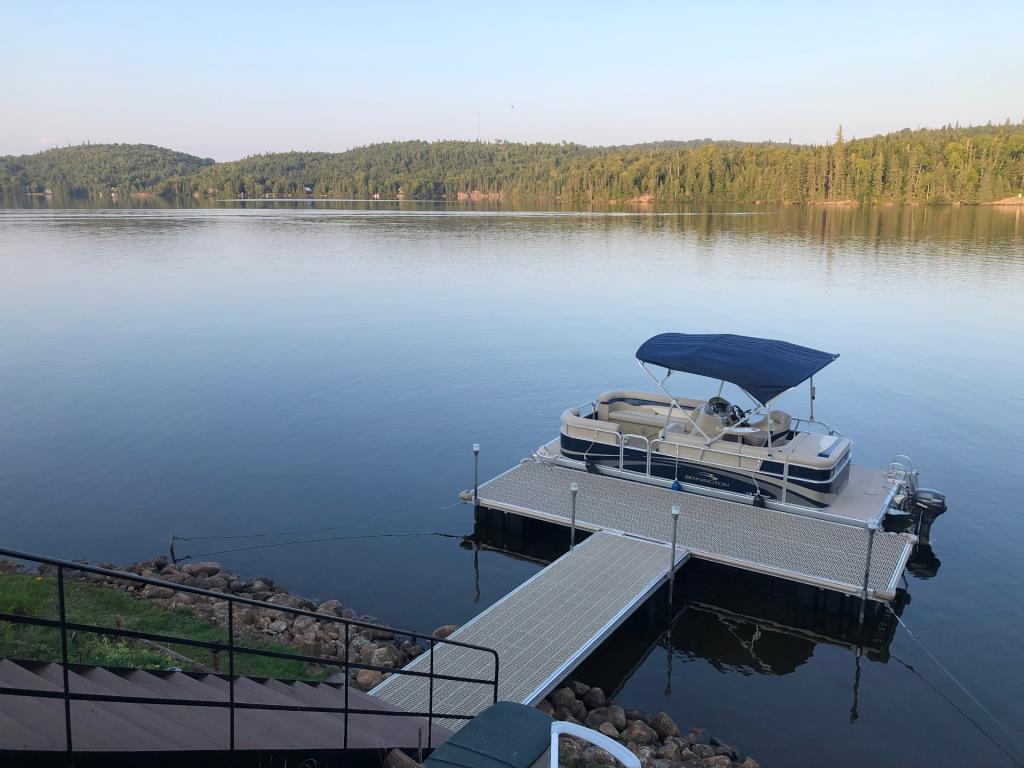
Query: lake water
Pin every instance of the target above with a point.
(217, 372)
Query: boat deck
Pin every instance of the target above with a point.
(812, 550)
(541, 630)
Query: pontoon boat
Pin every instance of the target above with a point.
(757, 454)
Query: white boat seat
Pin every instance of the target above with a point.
(780, 420)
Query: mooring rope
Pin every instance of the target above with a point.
(299, 532)
(963, 688)
(442, 534)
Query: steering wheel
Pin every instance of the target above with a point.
(718, 406)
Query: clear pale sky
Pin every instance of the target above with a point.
(225, 80)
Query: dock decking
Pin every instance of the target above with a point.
(796, 547)
(543, 629)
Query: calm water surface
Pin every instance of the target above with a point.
(210, 373)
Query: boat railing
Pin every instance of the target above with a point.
(230, 646)
(816, 422)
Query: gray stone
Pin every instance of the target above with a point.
(750, 763)
(640, 733)
(236, 586)
(202, 569)
(278, 626)
(563, 697)
(719, 761)
(570, 754)
(617, 716)
(664, 726)
(331, 607)
(594, 698)
(257, 585)
(670, 751)
(292, 601)
(579, 688)
(579, 710)
(596, 718)
(385, 656)
(158, 563)
(608, 730)
(563, 713)
(444, 631)
(703, 751)
(595, 756)
(637, 714)
(698, 736)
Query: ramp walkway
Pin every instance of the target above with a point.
(543, 629)
(806, 549)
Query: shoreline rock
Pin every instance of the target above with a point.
(655, 739)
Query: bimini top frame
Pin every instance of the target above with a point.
(762, 368)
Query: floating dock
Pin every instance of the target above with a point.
(812, 550)
(543, 629)
(546, 627)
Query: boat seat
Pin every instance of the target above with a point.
(782, 422)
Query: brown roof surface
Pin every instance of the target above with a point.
(28, 723)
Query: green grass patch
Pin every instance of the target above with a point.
(27, 594)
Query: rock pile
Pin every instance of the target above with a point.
(655, 739)
(308, 635)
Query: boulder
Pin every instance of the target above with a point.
(579, 710)
(596, 718)
(302, 623)
(719, 761)
(617, 716)
(664, 726)
(595, 756)
(563, 697)
(670, 750)
(640, 733)
(580, 689)
(703, 751)
(608, 730)
(218, 583)
(749, 763)
(257, 585)
(545, 706)
(698, 736)
(201, 581)
(367, 651)
(563, 713)
(202, 569)
(444, 631)
(411, 649)
(637, 714)
(386, 656)
(158, 563)
(570, 754)
(594, 698)
(277, 626)
(368, 678)
(236, 586)
(330, 607)
(291, 601)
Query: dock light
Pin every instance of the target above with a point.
(573, 489)
(476, 474)
(672, 556)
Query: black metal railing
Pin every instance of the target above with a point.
(64, 626)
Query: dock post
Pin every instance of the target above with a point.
(476, 474)
(872, 527)
(573, 490)
(672, 557)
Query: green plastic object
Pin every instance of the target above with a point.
(505, 735)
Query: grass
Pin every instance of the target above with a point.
(27, 594)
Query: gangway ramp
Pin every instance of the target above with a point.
(542, 630)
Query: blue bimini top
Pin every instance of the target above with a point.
(764, 368)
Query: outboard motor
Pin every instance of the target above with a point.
(923, 499)
(928, 500)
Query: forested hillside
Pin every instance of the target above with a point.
(951, 164)
(92, 169)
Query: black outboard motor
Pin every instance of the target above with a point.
(928, 500)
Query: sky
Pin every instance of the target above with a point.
(226, 80)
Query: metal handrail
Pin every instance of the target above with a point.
(62, 624)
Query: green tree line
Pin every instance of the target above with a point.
(944, 165)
